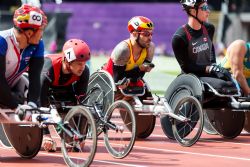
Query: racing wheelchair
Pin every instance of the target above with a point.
(186, 116)
(223, 107)
(118, 139)
(78, 144)
(76, 125)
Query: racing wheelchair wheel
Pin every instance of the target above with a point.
(145, 125)
(188, 132)
(247, 122)
(221, 120)
(26, 140)
(100, 91)
(120, 129)
(79, 149)
(184, 85)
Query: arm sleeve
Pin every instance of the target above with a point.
(211, 29)
(35, 69)
(180, 48)
(81, 86)
(47, 77)
(119, 72)
(6, 98)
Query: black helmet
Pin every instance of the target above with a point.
(188, 4)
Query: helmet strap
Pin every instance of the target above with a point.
(138, 42)
(195, 17)
(67, 64)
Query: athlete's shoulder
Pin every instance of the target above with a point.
(179, 36)
(121, 53)
(6, 33)
(180, 33)
(209, 26)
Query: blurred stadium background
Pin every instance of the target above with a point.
(103, 23)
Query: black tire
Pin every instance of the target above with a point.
(188, 133)
(84, 149)
(184, 85)
(175, 98)
(127, 129)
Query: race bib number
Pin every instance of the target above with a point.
(70, 54)
(136, 23)
(35, 18)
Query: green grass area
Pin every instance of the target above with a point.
(175, 73)
(166, 69)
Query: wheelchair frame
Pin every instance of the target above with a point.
(159, 107)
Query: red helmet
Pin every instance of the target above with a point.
(140, 23)
(29, 17)
(76, 49)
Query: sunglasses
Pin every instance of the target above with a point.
(146, 33)
(204, 8)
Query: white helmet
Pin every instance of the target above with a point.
(191, 3)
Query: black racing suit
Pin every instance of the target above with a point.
(194, 51)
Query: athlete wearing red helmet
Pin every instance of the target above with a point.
(29, 17)
(66, 75)
(29, 23)
(131, 59)
(21, 47)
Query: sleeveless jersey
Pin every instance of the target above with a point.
(246, 62)
(132, 63)
(200, 48)
(17, 61)
(56, 60)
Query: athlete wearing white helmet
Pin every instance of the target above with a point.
(193, 47)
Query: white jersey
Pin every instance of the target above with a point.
(17, 60)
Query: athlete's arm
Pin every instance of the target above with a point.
(35, 68)
(210, 29)
(236, 53)
(6, 98)
(120, 57)
(81, 85)
(47, 77)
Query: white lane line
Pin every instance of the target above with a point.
(193, 153)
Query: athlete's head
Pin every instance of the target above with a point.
(30, 22)
(197, 9)
(142, 28)
(76, 52)
(29, 17)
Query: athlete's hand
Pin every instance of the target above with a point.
(146, 67)
(122, 84)
(220, 72)
(23, 111)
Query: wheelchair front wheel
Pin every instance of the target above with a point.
(120, 129)
(79, 151)
(188, 132)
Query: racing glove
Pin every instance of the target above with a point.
(220, 72)
(23, 111)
